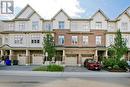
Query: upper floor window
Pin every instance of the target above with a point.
(85, 40)
(124, 25)
(48, 26)
(61, 40)
(35, 40)
(111, 39)
(21, 25)
(35, 25)
(126, 39)
(61, 24)
(74, 40)
(98, 25)
(18, 39)
(98, 40)
(10, 26)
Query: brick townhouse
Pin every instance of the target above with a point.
(75, 39)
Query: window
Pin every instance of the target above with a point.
(0, 41)
(61, 40)
(85, 40)
(61, 24)
(11, 26)
(21, 25)
(18, 39)
(98, 25)
(48, 26)
(98, 40)
(74, 40)
(35, 25)
(111, 39)
(124, 25)
(126, 39)
(35, 40)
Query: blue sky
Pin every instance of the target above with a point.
(112, 8)
(74, 8)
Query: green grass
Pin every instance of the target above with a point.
(50, 68)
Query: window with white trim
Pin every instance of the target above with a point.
(61, 24)
(18, 39)
(74, 40)
(35, 40)
(126, 39)
(21, 25)
(61, 40)
(35, 25)
(98, 25)
(124, 25)
(98, 40)
(111, 39)
(48, 26)
(11, 26)
(85, 40)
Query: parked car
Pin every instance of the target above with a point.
(128, 64)
(91, 64)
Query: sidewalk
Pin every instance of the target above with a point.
(65, 74)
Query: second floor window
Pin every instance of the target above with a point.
(35, 25)
(61, 40)
(111, 39)
(74, 40)
(85, 40)
(48, 26)
(98, 25)
(124, 25)
(18, 39)
(11, 26)
(35, 40)
(98, 40)
(61, 24)
(21, 26)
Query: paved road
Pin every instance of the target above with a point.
(41, 81)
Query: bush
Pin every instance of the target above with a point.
(41, 68)
(116, 67)
(51, 68)
(123, 64)
(110, 62)
(54, 68)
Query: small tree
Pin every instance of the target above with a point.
(48, 46)
(119, 48)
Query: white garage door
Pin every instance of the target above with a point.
(22, 59)
(71, 61)
(37, 59)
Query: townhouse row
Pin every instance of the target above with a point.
(75, 40)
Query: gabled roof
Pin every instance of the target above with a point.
(24, 10)
(124, 12)
(61, 10)
(100, 11)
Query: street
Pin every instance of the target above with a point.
(39, 81)
(63, 79)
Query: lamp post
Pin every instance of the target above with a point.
(46, 55)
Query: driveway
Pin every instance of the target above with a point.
(79, 69)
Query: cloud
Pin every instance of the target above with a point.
(48, 8)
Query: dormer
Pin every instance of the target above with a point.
(99, 20)
(28, 20)
(61, 20)
(124, 21)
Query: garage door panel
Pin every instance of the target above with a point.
(71, 61)
(37, 59)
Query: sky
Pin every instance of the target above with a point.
(74, 8)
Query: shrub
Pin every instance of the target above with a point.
(110, 62)
(41, 68)
(123, 64)
(116, 67)
(54, 68)
(51, 68)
